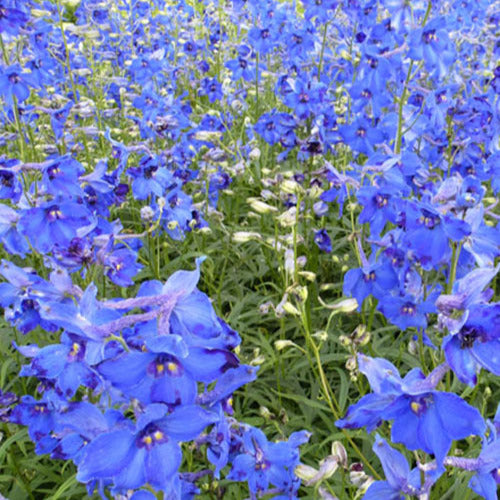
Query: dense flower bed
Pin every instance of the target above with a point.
(342, 149)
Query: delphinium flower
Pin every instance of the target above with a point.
(304, 97)
(423, 418)
(149, 177)
(10, 186)
(320, 10)
(212, 89)
(400, 480)
(55, 222)
(149, 453)
(476, 344)
(273, 126)
(432, 44)
(264, 464)
(12, 18)
(322, 239)
(13, 242)
(242, 66)
(14, 82)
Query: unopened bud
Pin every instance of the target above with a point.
(264, 412)
(340, 453)
(283, 344)
(322, 336)
(360, 335)
(254, 155)
(351, 364)
(345, 340)
(147, 214)
(357, 475)
(302, 293)
(291, 309)
(261, 207)
(308, 275)
(244, 236)
(305, 472)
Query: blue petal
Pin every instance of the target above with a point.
(484, 485)
(187, 422)
(488, 354)
(51, 360)
(366, 412)
(432, 435)
(382, 490)
(162, 462)
(174, 389)
(132, 474)
(404, 428)
(393, 462)
(459, 418)
(460, 360)
(106, 456)
(182, 283)
(126, 370)
(206, 365)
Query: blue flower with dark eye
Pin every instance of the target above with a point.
(54, 223)
(376, 278)
(262, 463)
(321, 10)
(323, 241)
(11, 19)
(262, 40)
(400, 480)
(242, 66)
(476, 345)
(432, 44)
(14, 242)
(423, 418)
(39, 416)
(150, 453)
(304, 97)
(212, 89)
(65, 364)
(273, 126)
(60, 176)
(407, 311)
(168, 372)
(149, 178)
(428, 233)
(14, 83)
(10, 187)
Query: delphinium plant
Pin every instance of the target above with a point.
(334, 164)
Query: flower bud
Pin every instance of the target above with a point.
(305, 472)
(308, 275)
(261, 207)
(244, 236)
(254, 155)
(282, 344)
(291, 309)
(340, 453)
(147, 214)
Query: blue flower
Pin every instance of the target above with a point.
(400, 481)
(148, 454)
(323, 241)
(476, 345)
(423, 418)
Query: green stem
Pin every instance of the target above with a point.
(257, 84)
(322, 53)
(454, 264)
(327, 391)
(402, 101)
